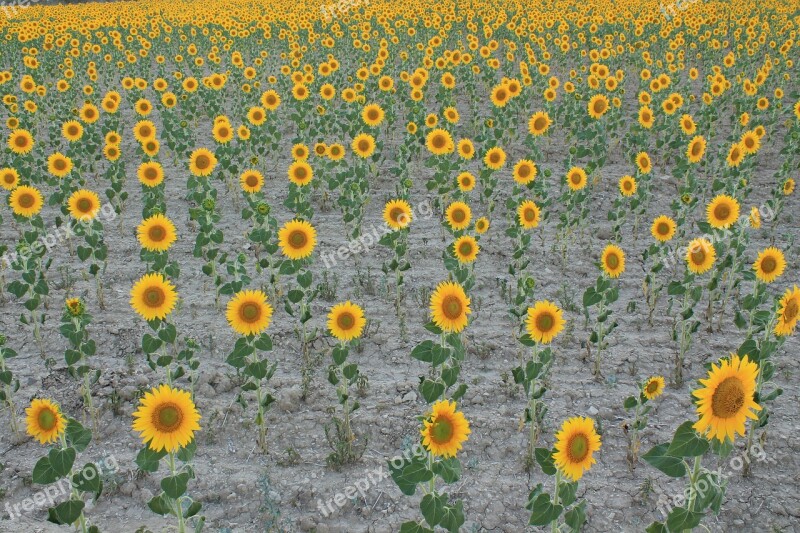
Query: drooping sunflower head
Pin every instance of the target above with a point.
(575, 445)
(346, 321)
(576, 178)
(528, 214)
(458, 215)
(598, 106)
(788, 186)
(84, 204)
(544, 322)
(26, 201)
(249, 313)
(755, 218)
(363, 145)
(525, 171)
(612, 261)
(300, 173)
(20, 141)
(449, 307)
(74, 307)
(397, 214)
(44, 421)
(788, 312)
(166, 419)
(153, 296)
(769, 265)
(297, 239)
(202, 162)
(700, 255)
(735, 155)
(539, 123)
(466, 249)
(663, 228)
(156, 233)
(722, 211)
(653, 387)
(445, 430)
(627, 185)
(643, 163)
(439, 142)
(726, 399)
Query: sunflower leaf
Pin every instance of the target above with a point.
(543, 512)
(686, 443)
(423, 351)
(432, 507)
(77, 436)
(61, 461)
(659, 458)
(681, 519)
(66, 512)
(544, 457)
(147, 460)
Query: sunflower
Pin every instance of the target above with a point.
(653, 387)
(335, 152)
(612, 261)
(482, 225)
(300, 152)
(598, 105)
(539, 123)
(59, 165)
(750, 142)
(700, 255)
(270, 100)
(20, 141)
(646, 118)
(495, 158)
(45, 421)
(445, 430)
(251, 181)
(458, 215)
(466, 150)
(372, 115)
(150, 174)
(26, 201)
(576, 178)
(144, 130)
(222, 132)
(466, 181)
(687, 125)
(788, 312)
(166, 419)
(84, 204)
(466, 249)
(755, 218)
(297, 239)
(627, 186)
(449, 307)
(788, 187)
(439, 142)
(643, 163)
(770, 265)
(300, 173)
(575, 445)
(663, 228)
(528, 214)
(257, 116)
(500, 95)
(363, 145)
(249, 313)
(725, 401)
(696, 149)
(346, 321)
(735, 155)
(9, 178)
(545, 321)
(722, 211)
(153, 296)
(525, 171)
(72, 131)
(397, 214)
(202, 162)
(156, 233)
(89, 113)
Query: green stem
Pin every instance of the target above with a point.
(554, 524)
(178, 510)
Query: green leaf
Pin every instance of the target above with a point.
(88, 480)
(686, 443)
(43, 472)
(432, 507)
(431, 390)
(659, 458)
(630, 402)
(656, 527)
(566, 493)
(186, 453)
(576, 517)
(453, 517)
(543, 512)
(77, 436)
(66, 512)
(175, 486)
(681, 519)
(423, 351)
(544, 457)
(61, 461)
(414, 527)
(160, 504)
(448, 469)
(147, 460)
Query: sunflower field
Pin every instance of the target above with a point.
(373, 266)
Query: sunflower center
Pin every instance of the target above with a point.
(157, 233)
(696, 147)
(396, 214)
(698, 255)
(346, 321)
(769, 264)
(545, 322)
(167, 418)
(749, 142)
(202, 162)
(8, 178)
(60, 164)
(46, 419)
(300, 173)
(465, 248)
(150, 173)
(372, 114)
(145, 131)
(612, 260)
(459, 215)
(451, 307)
(599, 106)
(251, 180)
(652, 387)
(722, 211)
(728, 399)
(21, 141)
(791, 311)
(154, 297)
(578, 448)
(529, 215)
(224, 132)
(524, 171)
(662, 228)
(494, 157)
(627, 185)
(363, 145)
(250, 312)
(84, 205)
(298, 239)
(575, 178)
(539, 124)
(438, 141)
(26, 200)
(441, 430)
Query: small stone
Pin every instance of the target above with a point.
(592, 410)
(410, 396)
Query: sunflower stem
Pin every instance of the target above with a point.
(693, 482)
(178, 510)
(554, 524)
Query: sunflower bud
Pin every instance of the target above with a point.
(263, 208)
(209, 204)
(2, 339)
(686, 198)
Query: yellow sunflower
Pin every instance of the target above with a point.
(575, 445)
(202, 162)
(9, 178)
(725, 401)
(539, 123)
(528, 214)
(653, 387)
(525, 171)
(700, 255)
(735, 155)
(26, 201)
(372, 115)
(627, 186)
(144, 130)
(445, 430)
(769, 265)
(696, 149)
(722, 211)
(495, 158)
(458, 215)
(545, 321)
(153, 296)
(646, 118)
(251, 181)
(663, 228)
(249, 313)
(750, 142)
(335, 152)
(466, 181)
(449, 307)
(150, 174)
(643, 163)
(300, 173)
(156, 233)
(300, 152)
(466, 249)
(482, 225)
(466, 150)
(397, 214)
(20, 142)
(788, 312)
(439, 142)
(222, 132)
(576, 178)
(346, 321)
(598, 106)
(84, 204)
(72, 131)
(59, 165)
(363, 145)
(166, 419)
(613, 261)
(270, 100)
(788, 187)
(297, 239)
(44, 421)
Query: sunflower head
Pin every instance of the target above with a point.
(663, 228)
(722, 211)
(156, 233)
(346, 321)
(653, 387)
(544, 322)
(528, 214)
(166, 419)
(44, 421)
(84, 205)
(575, 445)
(700, 255)
(445, 430)
(153, 296)
(26, 201)
(612, 261)
(397, 214)
(74, 307)
(576, 178)
(297, 239)
(525, 171)
(449, 307)
(627, 185)
(249, 313)
(202, 162)
(363, 145)
(466, 249)
(788, 312)
(439, 142)
(458, 215)
(769, 265)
